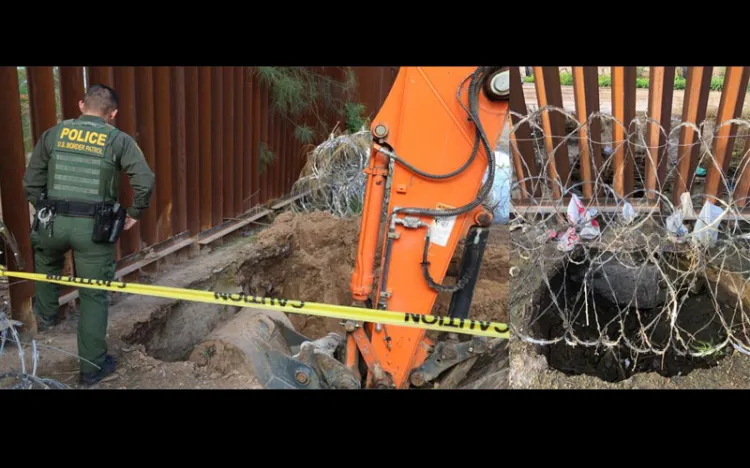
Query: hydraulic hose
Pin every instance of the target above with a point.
(475, 86)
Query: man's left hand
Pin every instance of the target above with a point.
(129, 223)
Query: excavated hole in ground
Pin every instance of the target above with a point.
(173, 333)
(309, 257)
(697, 320)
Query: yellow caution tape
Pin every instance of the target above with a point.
(427, 322)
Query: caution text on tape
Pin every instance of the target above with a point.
(386, 317)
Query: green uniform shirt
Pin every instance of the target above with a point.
(127, 154)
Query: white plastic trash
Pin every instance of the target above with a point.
(501, 188)
(499, 198)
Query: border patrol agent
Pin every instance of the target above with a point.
(73, 181)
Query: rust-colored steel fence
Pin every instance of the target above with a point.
(201, 130)
(637, 127)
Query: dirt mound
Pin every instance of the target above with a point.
(308, 257)
(312, 256)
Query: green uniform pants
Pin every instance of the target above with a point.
(92, 260)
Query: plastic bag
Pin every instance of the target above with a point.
(709, 213)
(568, 240)
(628, 213)
(584, 225)
(675, 225)
(674, 221)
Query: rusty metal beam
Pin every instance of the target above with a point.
(661, 90)
(301, 158)
(130, 240)
(293, 155)
(255, 213)
(229, 160)
(289, 160)
(531, 207)
(179, 152)
(278, 156)
(15, 209)
(233, 225)
(205, 111)
(42, 105)
(101, 75)
(526, 208)
(591, 82)
(586, 92)
(282, 155)
(164, 175)
(217, 146)
(264, 121)
(239, 169)
(71, 91)
(256, 195)
(270, 169)
(521, 146)
(623, 109)
(742, 188)
(192, 144)
(730, 107)
(144, 95)
(248, 129)
(694, 106)
(548, 91)
(292, 159)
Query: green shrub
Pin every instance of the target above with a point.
(605, 81)
(355, 119)
(296, 91)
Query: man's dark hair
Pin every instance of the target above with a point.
(101, 98)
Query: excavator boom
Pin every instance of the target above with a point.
(433, 143)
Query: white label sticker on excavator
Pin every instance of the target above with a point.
(442, 227)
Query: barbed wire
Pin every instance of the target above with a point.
(642, 271)
(22, 379)
(8, 332)
(335, 181)
(333, 175)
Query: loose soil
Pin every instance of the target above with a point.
(308, 257)
(312, 258)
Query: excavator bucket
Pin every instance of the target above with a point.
(275, 354)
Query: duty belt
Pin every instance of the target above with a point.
(73, 208)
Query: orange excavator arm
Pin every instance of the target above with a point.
(429, 178)
(433, 143)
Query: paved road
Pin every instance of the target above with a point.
(641, 103)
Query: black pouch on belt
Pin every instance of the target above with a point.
(104, 219)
